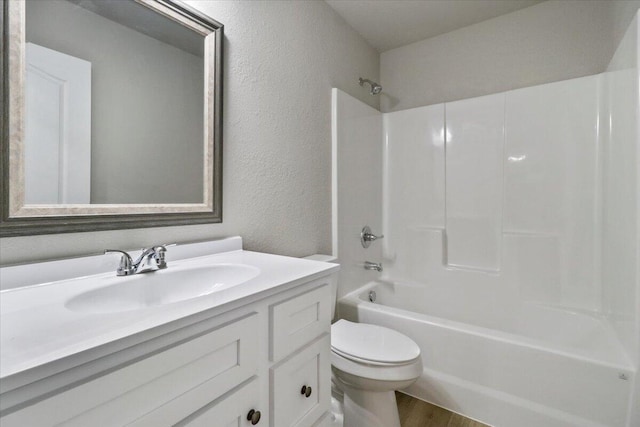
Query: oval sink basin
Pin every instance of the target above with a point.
(161, 287)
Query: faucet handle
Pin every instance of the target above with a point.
(160, 252)
(126, 263)
(163, 247)
(366, 237)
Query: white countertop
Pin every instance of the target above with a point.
(37, 329)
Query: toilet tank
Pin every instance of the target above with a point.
(334, 278)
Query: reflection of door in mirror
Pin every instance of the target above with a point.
(57, 127)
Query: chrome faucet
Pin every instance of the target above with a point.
(150, 259)
(366, 236)
(377, 266)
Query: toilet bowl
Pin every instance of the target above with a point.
(368, 363)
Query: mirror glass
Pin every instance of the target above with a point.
(114, 105)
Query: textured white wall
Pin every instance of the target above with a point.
(281, 60)
(551, 41)
(623, 13)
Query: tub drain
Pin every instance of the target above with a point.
(372, 296)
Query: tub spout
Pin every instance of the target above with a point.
(368, 265)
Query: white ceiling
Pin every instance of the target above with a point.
(387, 24)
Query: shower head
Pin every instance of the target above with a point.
(375, 87)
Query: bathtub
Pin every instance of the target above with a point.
(530, 366)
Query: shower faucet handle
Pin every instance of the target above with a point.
(366, 237)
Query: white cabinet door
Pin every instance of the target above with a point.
(309, 367)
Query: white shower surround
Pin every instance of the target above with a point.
(547, 241)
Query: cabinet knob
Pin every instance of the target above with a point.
(254, 416)
(306, 390)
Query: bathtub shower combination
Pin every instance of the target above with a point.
(511, 245)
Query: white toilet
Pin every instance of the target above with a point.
(369, 363)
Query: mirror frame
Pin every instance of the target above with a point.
(18, 219)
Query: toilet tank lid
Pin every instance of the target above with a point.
(372, 342)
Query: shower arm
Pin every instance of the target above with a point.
(363, 81)
(375, 87)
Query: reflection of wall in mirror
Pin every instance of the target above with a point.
(57, 127)
(147, 105)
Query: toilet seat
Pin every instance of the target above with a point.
(379, 374)
(366, 361)
(372, 344)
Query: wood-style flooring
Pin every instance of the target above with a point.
(416, 413)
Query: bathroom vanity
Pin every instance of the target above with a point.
(106, 350)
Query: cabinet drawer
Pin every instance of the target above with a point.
(217, 360)
(229, 410)
(298, 320)
(309, 368)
